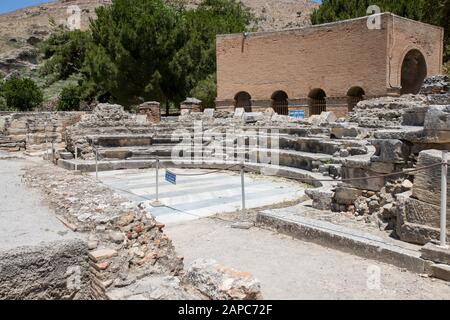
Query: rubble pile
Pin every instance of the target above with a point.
(390, 112)
(113, 223)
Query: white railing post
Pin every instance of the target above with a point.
(157, 179)
(443, 222)
(53, 151)
(76, 158)
(46, 141)
(96, 163)
(156, 203)
(243, 186)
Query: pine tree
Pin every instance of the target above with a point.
(436, 12)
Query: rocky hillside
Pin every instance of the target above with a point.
(24, 28)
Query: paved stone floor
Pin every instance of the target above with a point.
(24, 219)
(293, 269)
(199, 196)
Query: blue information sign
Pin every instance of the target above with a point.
(297, 114)
(171, 177)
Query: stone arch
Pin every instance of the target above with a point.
(354, 95)
(413, 72)
(243, 100)
(317, 101)
(280, 102)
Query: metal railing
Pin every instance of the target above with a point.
(443, 198)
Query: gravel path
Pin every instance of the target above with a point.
(293, 269)
(24, 220)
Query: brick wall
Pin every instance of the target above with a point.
(333, 57)
(406, 35)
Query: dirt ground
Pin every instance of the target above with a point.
(293, 269)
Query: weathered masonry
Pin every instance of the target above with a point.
(326, 67)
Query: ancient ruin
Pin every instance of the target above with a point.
(307, 146)
(328, 67)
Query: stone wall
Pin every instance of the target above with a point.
(105, 120)
(419, 214)
(128, 255)
(407, 35)
(32, 129)
(54, 271)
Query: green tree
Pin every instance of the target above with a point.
(139, 50)
(69, 98)
(21, 94)
(335, 10)
(436, 12)
(206, 91)
(64, 53)
(133, 42)
(151, 50)
(195, 61)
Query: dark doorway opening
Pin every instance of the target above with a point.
(280, 102)
(414, 72)
(354, 95)
(317, 102)
(243, 100)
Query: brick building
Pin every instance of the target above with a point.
(326, 67)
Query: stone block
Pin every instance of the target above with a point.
(343, 130)
(427, 183)
(346, 195)
(239, 113)
(390, 150)
(437, 124)
(373, 184)
(327, 117)
(251, 117)
(435, 253)
(423, 213)
(221, 283)
(208, 113)
(416, 233)
(382, 167)
(414, 116)
(440, 271)
(322, 198)
(102, 254)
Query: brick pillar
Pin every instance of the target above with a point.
(153, 111)
(190, 105)
(99, 261)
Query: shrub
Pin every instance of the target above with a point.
(21, 94)
(69, 98)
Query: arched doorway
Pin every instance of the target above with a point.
(317, 102)
(280, 102)
(243, 100)
(354, 95)
(414, 72)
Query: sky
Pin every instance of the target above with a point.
(11, 5)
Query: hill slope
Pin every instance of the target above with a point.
(21, 30)
(22, 27)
